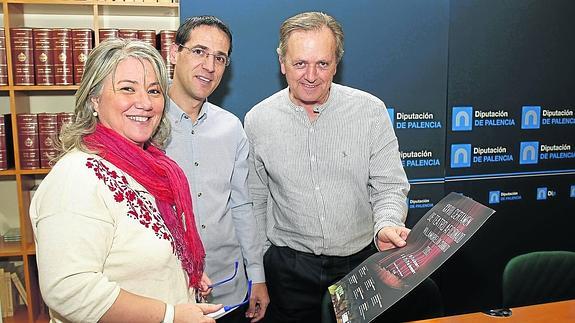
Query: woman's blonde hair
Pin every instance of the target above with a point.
(103, 61)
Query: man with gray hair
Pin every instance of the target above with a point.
(325, 173)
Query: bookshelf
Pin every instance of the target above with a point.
(16, 183)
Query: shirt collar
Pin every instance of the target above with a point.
(203, 114)
(176, 113)
(320, 107)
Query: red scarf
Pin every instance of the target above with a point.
(166, 181)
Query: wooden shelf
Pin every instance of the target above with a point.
(55, 2)
(20, 315)
(7, 172)
(30, 249)
(39, 171)
(139, 4)
(43, 87)
(98, 3)
(12, 172)
(10, 249)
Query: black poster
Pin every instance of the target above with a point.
(384, 278)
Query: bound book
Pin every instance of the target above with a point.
(3, 65)
(167, 38)
(82, 44)
(64, 118)
(128, 34)
(3, 152)
(43, 56)
(27, 126)
(148, 36)
(20, 288)
(22, 43)
(108, 33)
(62, 56)
(6, 151)
(48, 135)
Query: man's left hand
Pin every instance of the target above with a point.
(259, 301)
(391, 237)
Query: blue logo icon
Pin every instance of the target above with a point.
(391, 112)
(541, 193)
(462, 118)
(572, 194)
(460, 155)
(529, 152)
(531, 117)
(494, 197)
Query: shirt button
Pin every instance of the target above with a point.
(203, 226)
(196, 164)
(193, 132)
(186, 117)
(199, 194)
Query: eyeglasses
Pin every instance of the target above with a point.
(227, 308)
(201, 53)
(201, 299)
(227, 279)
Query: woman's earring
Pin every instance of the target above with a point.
(95, 114)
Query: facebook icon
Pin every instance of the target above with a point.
(391, 112)
(531, 117)
(460, 155)
(462, 118)
(528, 153)
(541, 193)
(494, 197)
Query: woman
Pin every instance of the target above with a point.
(115, 235)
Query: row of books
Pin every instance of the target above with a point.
(12, 291)
(37, 136)
(57, 56)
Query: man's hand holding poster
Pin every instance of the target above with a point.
(384, 278)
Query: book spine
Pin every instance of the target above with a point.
(148, 36)
(3, 144)
(7, 149)
(20, 287)
(81, 47)
(48, 135)
(108, 33)
(62, 56)
(64, 118)
(27, 124)
(9, 294)
(167, 38)
(43, 56)
(22, 55)
(128, 34)
(3, 64)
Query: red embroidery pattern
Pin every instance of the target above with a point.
(141, 208)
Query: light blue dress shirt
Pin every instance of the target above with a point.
(213, 153)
